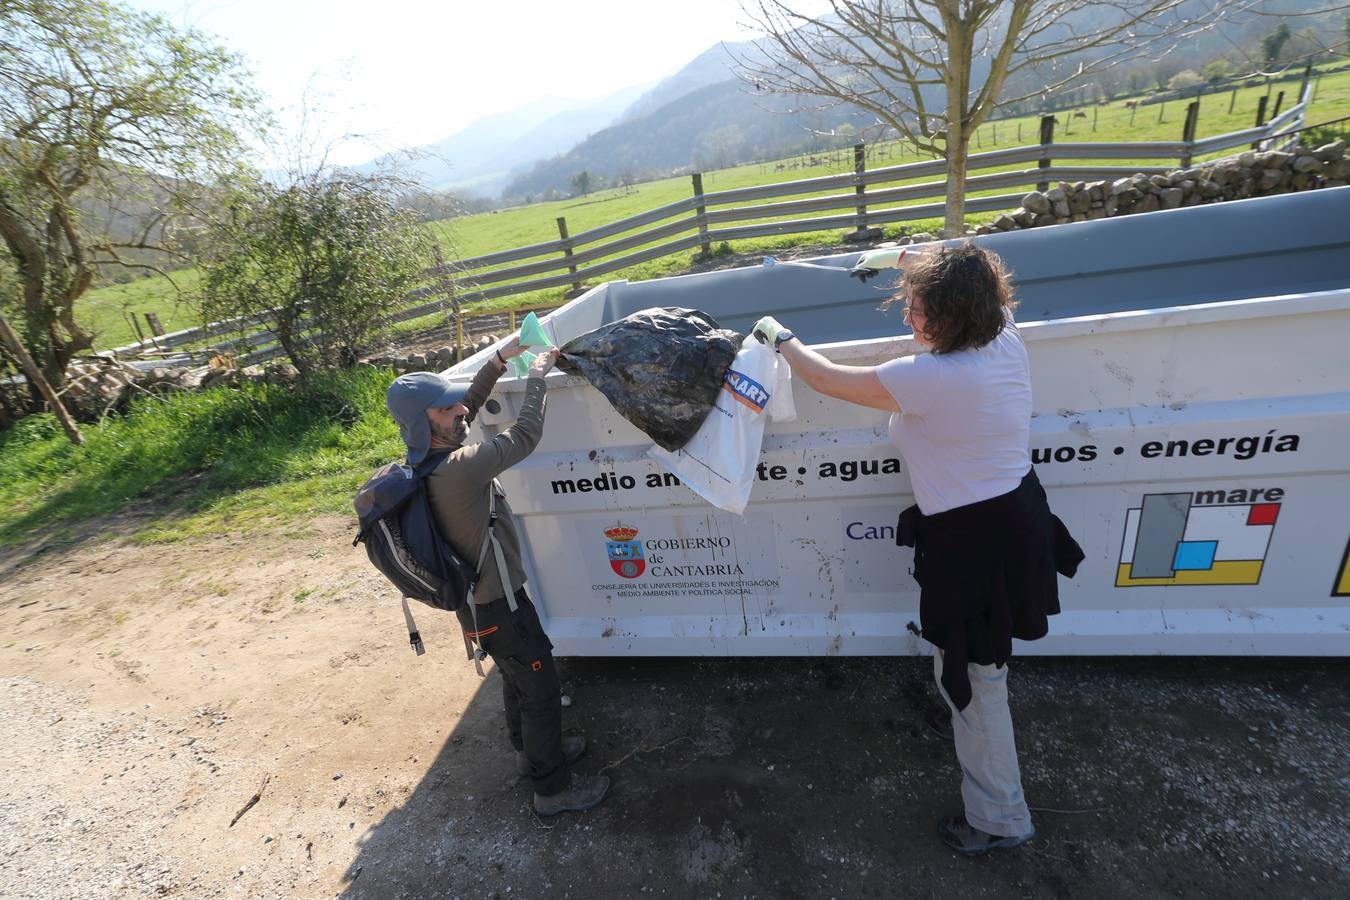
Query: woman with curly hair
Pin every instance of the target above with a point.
(986, 547)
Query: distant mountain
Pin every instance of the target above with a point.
(709, 67)
(479, 158)
(712, 127)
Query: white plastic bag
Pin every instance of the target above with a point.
(718, 463)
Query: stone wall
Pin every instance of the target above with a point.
(100, 384)
(428, 360)
(1249, 174)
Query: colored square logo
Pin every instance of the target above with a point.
(1194, 555)
(1263, 514)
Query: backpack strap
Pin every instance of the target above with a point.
(474, 646)
(414, 636)
(507, 586)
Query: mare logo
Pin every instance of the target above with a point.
(745, 389)
(1204, 537)
(625, 553)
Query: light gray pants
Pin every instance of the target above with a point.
(991, 784)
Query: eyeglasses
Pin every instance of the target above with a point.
(912, 311)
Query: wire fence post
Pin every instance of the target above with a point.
(135, 326)
(1260, 118)
(567, 251)
(701, 214)
(448, 287)
(1047, 138)
(1279, 101)
(860, 230)
(1188, 133)
(1231, 101)
(1303, 87)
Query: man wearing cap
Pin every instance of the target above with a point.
(433, 416)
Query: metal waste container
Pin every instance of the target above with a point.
(1191, 374)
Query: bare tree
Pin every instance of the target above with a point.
(932, 71)
(97, 103)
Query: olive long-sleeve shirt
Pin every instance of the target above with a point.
(458, 488)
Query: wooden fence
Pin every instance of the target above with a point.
(857, 201)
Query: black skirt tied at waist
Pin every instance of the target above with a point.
(986, 574)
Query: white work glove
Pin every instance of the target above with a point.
(767, 330)
(873, 261)
(543, 363)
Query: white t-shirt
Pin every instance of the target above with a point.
(965, 421)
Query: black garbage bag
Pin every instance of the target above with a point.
(661, 368)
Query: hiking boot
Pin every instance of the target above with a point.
(966, 839)
(584, 792)
(573, 746)
(938, 720)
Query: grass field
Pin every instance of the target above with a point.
(107, 309)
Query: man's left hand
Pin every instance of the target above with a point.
(511, 347)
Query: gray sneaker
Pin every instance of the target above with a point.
(584, 792)
(966, 839)
(573, 746)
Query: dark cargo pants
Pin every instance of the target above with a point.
(531, 691)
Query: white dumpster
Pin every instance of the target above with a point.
(1191, 372)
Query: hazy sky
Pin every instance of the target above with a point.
(406, 73)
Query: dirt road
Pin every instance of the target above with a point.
(150, 692)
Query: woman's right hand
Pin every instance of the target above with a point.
(873, 261)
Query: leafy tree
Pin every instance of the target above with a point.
(1273, 43)
(98, 99)
(581, 183)
(934, 70)
(322, 262)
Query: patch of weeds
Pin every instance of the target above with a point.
(114, 652)
(300, 596)
(317, 553)
(119, 618)
(204, 462)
